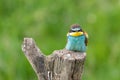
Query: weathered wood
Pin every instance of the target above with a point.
(61, 65)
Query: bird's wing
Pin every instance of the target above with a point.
(86, 38)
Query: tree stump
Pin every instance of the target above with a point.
(60, 65)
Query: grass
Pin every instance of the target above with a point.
(48, 22)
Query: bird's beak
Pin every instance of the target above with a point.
(76, 33)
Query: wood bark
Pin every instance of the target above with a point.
(60, 65)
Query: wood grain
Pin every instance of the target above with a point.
(60, 65)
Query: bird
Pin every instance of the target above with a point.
(77, 39)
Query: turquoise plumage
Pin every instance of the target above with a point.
(76, 43)
(77, 39)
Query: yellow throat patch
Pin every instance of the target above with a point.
(75, 33)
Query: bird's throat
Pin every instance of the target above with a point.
(75, 33)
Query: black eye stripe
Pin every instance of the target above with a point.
(72, 31)
(80, 30)
(75, 31)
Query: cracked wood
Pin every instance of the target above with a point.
(60, 65)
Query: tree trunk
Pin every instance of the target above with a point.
(60, 65)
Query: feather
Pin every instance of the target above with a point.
(86, 38)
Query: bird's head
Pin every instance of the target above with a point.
(75, 30)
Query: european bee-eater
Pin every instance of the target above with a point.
(77, 39)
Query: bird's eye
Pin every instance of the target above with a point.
(73, 31)
(80, 30)
(70, 30)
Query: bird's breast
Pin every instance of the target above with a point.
(76, 43)
(76, 39)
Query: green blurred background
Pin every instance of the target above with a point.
(48, 22)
